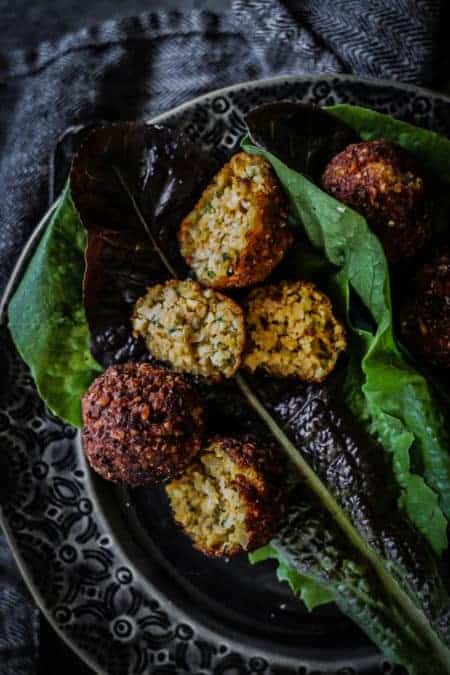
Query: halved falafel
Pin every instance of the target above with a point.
(231, 498)
(425, 317)
(383, 182)
(141, 424)
(292, 331)
(195, 329)
(237, 233)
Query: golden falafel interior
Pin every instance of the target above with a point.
(208, 506)
(220, 504)
(237, 233)
(195, 329)
(292, 331)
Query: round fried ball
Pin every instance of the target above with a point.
(195, 329)
(141, 424)
(231, 498)
(425, 322)
(237, 233)
(382, 181)
(292, 331)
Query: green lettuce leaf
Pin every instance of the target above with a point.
(46, 316)
(396, 400)
(432, 149)
(311, 592)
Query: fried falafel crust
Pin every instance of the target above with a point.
(238, 232)
(141, 424)
(195, 329)
(292, 331)
(382, 181)
(425, 320)
(232, 497)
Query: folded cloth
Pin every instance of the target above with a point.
(135, 67)
(19, 620)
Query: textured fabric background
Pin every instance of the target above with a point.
(64, 63)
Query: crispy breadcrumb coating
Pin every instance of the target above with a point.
(141, 424)
(425, 318)
(382, 181)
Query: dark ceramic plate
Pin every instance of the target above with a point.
(112, 573)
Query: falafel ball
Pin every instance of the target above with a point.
(195, 329)
(231, 498)
(141, 424)
(425, 322)
(292, 331)
(382, 181)
(237, 233)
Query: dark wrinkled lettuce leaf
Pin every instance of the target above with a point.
(163, 172)
(302, 135)
(47, 319)
(119, 267)
(355, 470)
(383, 390)
(310, 548)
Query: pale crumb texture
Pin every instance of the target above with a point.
(194, 329)
(237, 233)
(292, 331)
(230, 498)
